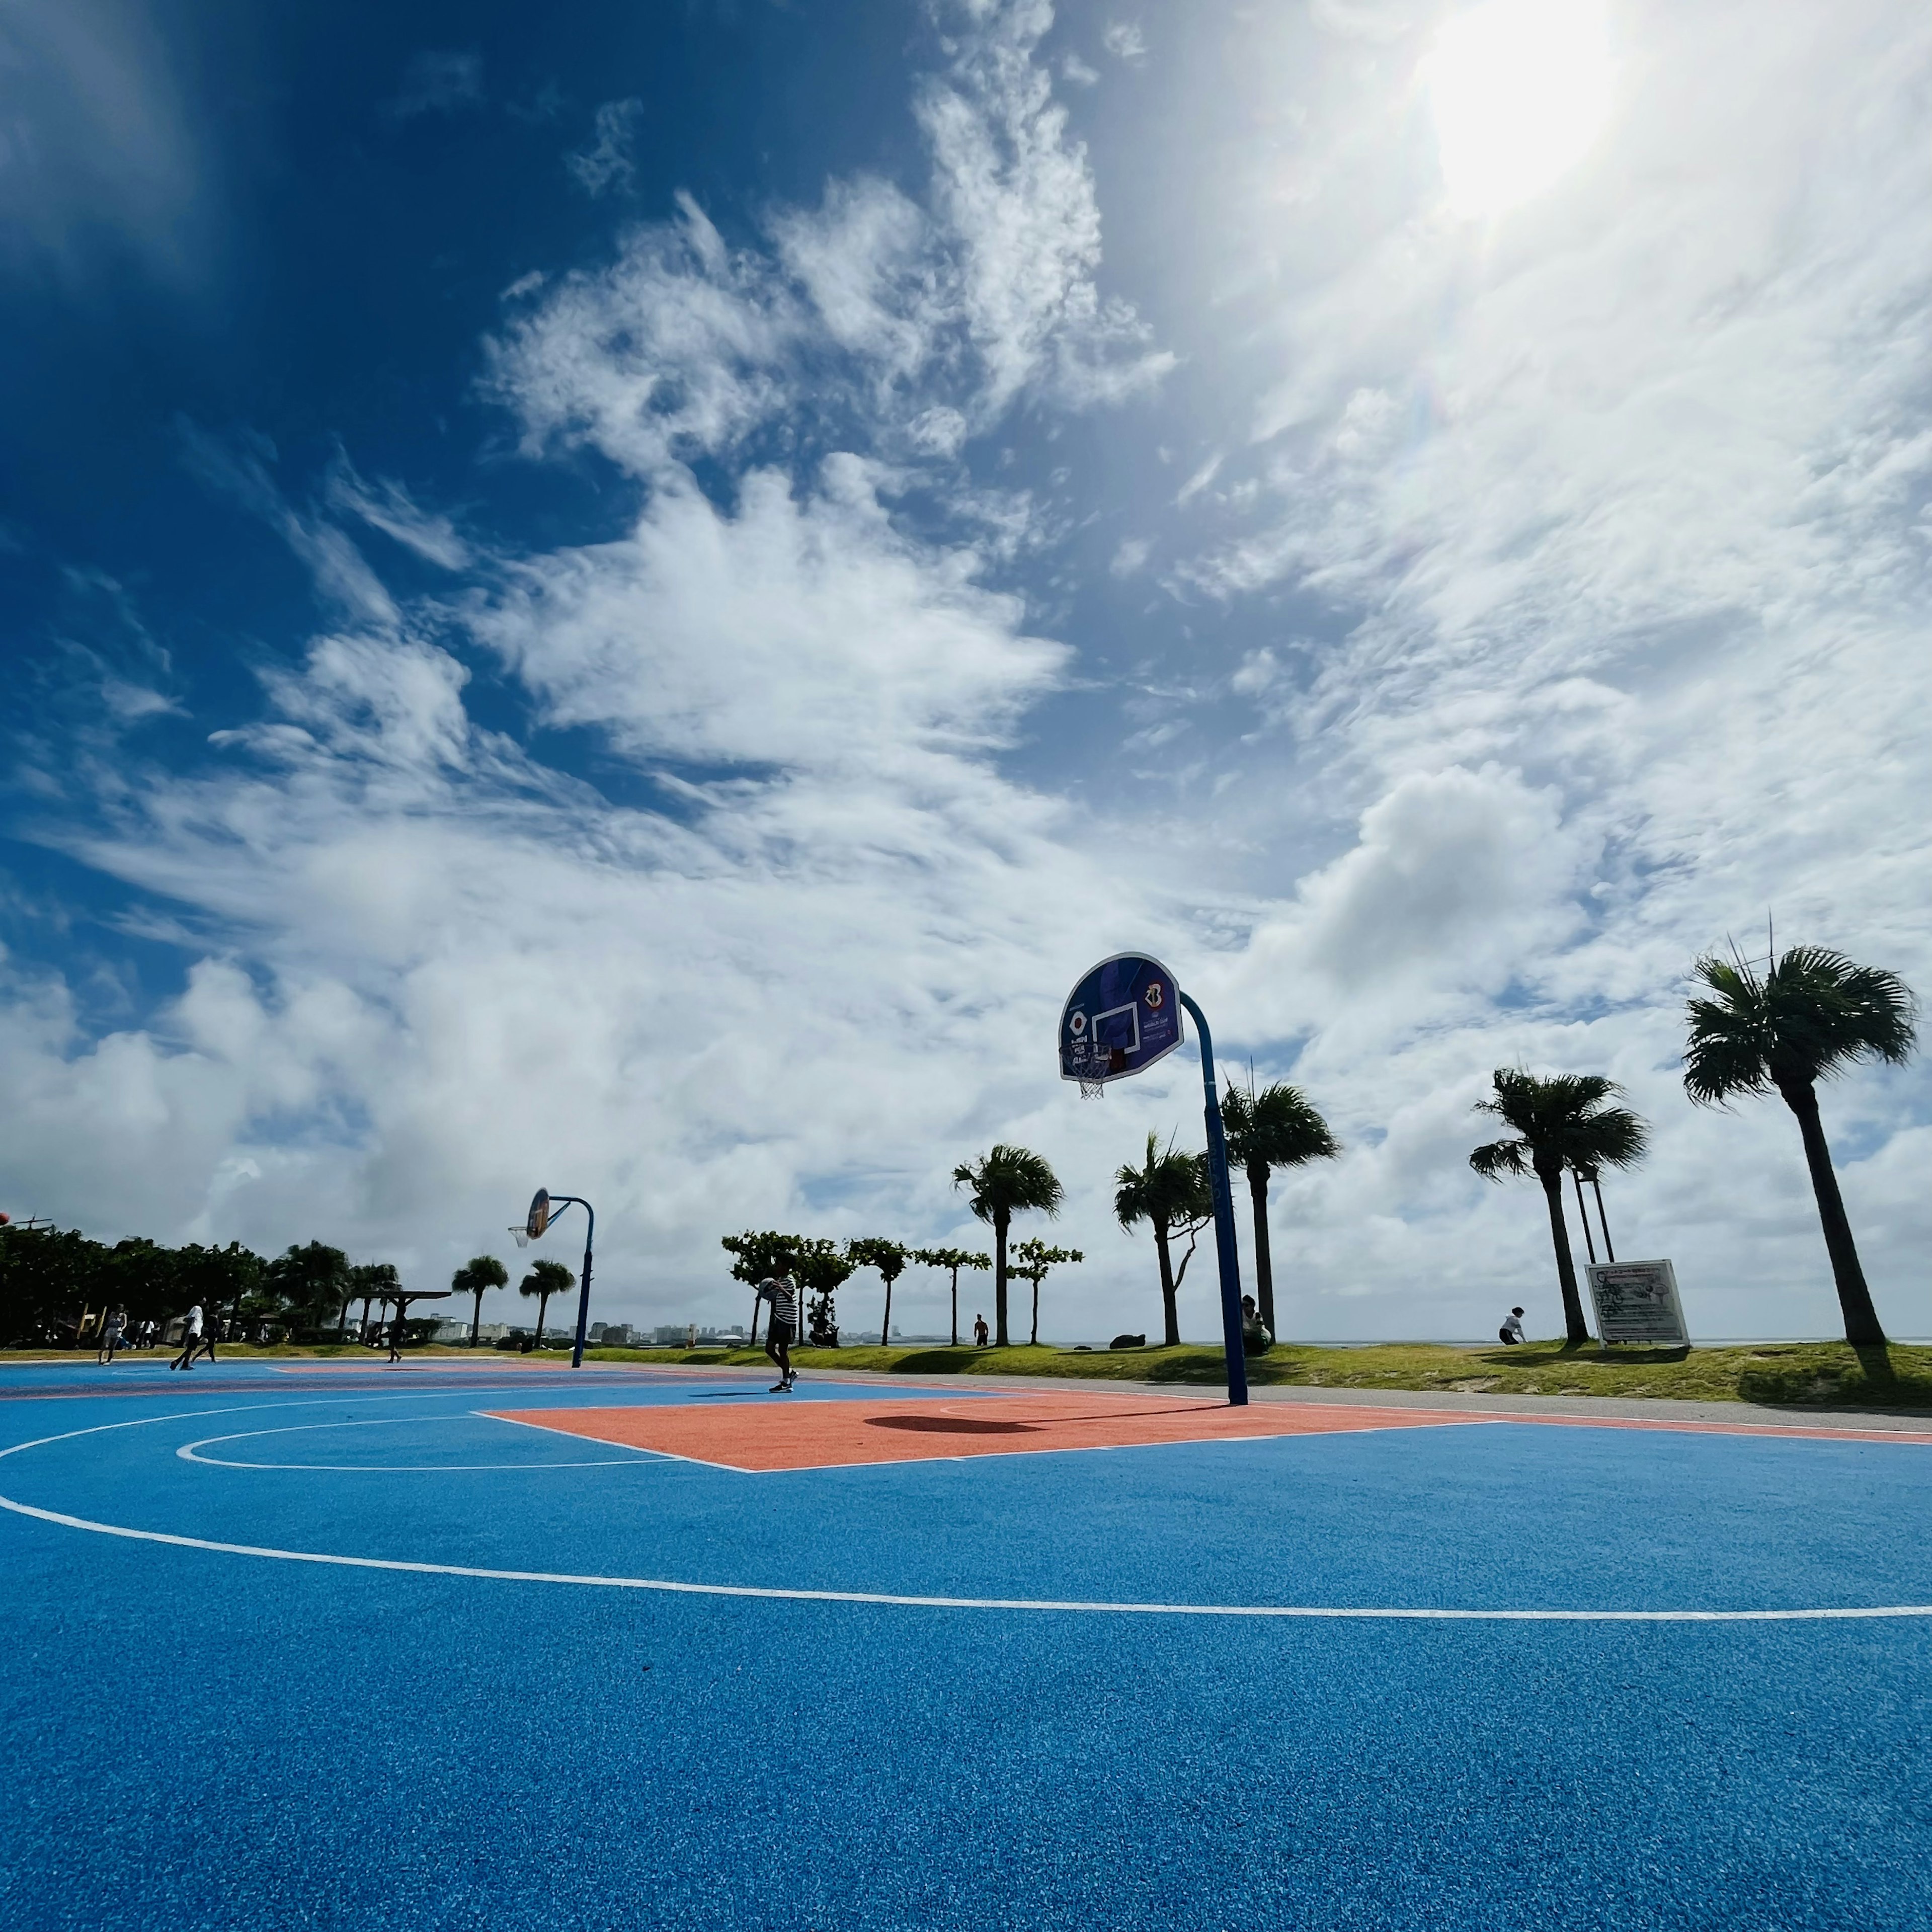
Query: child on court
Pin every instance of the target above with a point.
(781, 1291)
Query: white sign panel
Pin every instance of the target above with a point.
(1636, 1301)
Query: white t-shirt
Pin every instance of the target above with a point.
(194, 1319)
(1513, 1326)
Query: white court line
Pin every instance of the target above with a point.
(187, 1452)
(1318, 1613)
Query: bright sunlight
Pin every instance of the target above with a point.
(1520, 89)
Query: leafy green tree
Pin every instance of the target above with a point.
(1008, 1181)
(1560, 1121)
(1031, 1261)
(478, 1274)
(370, 1281)
(757, 1256)
(545, 1278)
(314, 1283)
(890, 1257)
(1171, 1193)
(1277, 1127)
(953, 1260)
(1810, 1014)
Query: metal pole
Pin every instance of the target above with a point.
(1582, 1208)
(583, 1286)
(1224, 1219)
(1597, 1188)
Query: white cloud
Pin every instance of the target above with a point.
(95, 138)
(606, 163)
(1018, 197)
(1125, 41)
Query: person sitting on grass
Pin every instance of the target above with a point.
(781, 1291)
(1255, 1340)
(1511, 1331)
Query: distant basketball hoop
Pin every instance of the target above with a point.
(535, 1224)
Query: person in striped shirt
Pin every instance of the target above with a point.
(781, 1291)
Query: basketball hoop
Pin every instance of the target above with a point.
(1092, 1090)
(521, 1236)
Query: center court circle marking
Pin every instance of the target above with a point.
(668, 1586)
(189, 1453)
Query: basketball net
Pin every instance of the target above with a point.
(1092, 1090)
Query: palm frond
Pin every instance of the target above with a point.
(1499, 1159)
(1813, 1012)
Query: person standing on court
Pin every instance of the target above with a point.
(110, 1334)
(781, 1291)
(1511, 1331)
(190, 1339)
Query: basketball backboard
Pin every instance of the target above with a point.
(1124, 1015)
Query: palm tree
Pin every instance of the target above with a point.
(1277, 1127)
(479, 1273)
(1031, 1261)
(367, 1282)
(1172, 1193)
(890, 1257)
(1559, 1121)
(545, 1278)
(1010, 1180)
(1811, 1012)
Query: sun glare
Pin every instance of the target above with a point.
(1520, 89)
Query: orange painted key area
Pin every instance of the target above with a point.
(801, 1434)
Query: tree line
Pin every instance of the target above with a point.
(1811, 1013)
(821, 1266)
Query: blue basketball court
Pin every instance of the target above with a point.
(341, 1647)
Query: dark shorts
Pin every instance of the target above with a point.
(782, 1335)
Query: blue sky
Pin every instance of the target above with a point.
(625, 598)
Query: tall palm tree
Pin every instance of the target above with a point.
(1277, 1127)
(1559, 1121)
(1811, 1013)
(367, 1282)
(1010, 1180)
(545, 1278)
(478, 1274)
(1171, 1193)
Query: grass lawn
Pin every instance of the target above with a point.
(1811, 1374)
(1806, 1372)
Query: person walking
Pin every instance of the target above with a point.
(210, 1329)
(981, 1333)
(1511, 1331)
(781, 1291)
(112, 1327)
(190, 1339)
(396, 1335)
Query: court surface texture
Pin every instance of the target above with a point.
(500, 1646)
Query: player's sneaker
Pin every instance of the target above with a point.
(779, 1388)
(791, 1379)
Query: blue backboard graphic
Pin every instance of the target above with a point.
(1124, 1015)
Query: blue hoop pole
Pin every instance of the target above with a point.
(1224, 1249)
(559, 1201)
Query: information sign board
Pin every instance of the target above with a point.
(1636, 1301)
